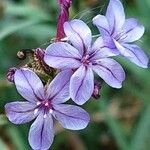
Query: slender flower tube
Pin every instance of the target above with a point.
(85, 59)
(43, 103)
(119, 33)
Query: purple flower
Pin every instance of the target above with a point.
(118, 33)
(83, 58)
(43, 103)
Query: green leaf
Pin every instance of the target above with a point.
(115, 127)
(3, 120)
(40, 32)
(17, 138)
(26, 10)
(3, 146)
(13, 27)
(142, 131)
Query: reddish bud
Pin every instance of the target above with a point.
(63, 17)
(97, 88)
(10, 74)
(39, 52)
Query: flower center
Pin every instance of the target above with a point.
(85, 60)
(44, 106)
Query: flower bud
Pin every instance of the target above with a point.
(39, 52)
(22, 54)
(63, 17)
(10, 74)
(97, 88)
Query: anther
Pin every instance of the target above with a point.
(38, 103)
(46, 104)
(51, 111)
(35, 111)
(45, 115)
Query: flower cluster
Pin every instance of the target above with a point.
(75, 61)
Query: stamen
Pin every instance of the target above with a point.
(46, 104)
(35, 111)
(38, 103)
(51, 111)
(85, 60)
(45, 115)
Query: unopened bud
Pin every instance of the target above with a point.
(63, 17)
(97, 88)
(10, 74)
(39, 52)
(22, 54)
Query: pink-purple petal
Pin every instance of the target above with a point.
(82, 85)
(29, 85)
(71, 117)
(79, 35)
(41, 133)
(58, 89)
(115, 15)
(62, 56)
(20, 112)
(133, 30)
(110, 71)
(134, 53)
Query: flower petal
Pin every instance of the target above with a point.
(100, 50)
(20, 112)
(82, 85)
(29, 85)
(133, 30)
(58, 90)
(115, 15)
(71, 117)
(62, 56)
(110, 71)
(41, 133)
(102, 24)
(134, 54)
(79, 34)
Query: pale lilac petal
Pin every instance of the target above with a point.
(133, 30)
(62, 56)
(115, 15)
(82, 85)
(20, 112)
(58, 90)
(110, 71)
(41, 133)
(102, 24)
(100, 50)
(79, 34)
(29, 85)
(71, 117)
(134, 54)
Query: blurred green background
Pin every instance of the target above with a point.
(120, 119)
